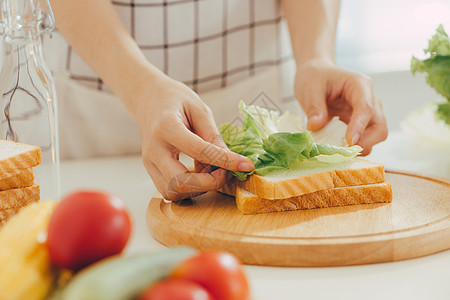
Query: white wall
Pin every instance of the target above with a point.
(379, 37)
(382, 35)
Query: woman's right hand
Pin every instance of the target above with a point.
(172, 119)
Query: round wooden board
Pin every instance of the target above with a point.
(416, 223)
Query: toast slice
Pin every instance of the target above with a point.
(16, 157)
(309, 177)
(19, 197)
(249, 203)
(6, 214)
(19, 180)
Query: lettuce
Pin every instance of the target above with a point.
(437, 67)
(439, 44)
(443, 112)
(270, 149)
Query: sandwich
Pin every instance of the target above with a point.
(296, 169)
(17, 185)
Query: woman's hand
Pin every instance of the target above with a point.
(325, 90)
(173, 119)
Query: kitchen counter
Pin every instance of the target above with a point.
(422, 278)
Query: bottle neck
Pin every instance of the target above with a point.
(29, 33)
(20, 47)
(22, 19)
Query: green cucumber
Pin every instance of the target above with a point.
(123, 278)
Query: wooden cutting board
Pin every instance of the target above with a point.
(416, 223)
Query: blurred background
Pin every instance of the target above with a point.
(375, 37)
(379, 37)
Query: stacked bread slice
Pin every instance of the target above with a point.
(17, 186)
(313, 185)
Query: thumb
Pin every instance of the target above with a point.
(205, 127)
(315, 107)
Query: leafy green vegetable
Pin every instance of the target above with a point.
(439, 44)
(437, 66)
(438, 69)
(256, 119)
(443, 112)
(287, 147)
(270, 150)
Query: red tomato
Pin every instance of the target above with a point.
(219, 272)
(86, 227)
(176, 289)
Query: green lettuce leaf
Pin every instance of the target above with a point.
(242, 142)
(259, 139)
(437, 68)
(335, 155)
(443, 112)
(439, 44)
(287, 147)
(257, 119)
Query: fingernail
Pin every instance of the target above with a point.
(356, 138)
(245, 167)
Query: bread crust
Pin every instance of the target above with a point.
(16, 163)
(260, 186)
(6, 214)
(19, 197)
(19, 180)
(365, 194)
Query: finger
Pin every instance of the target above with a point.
(362, 100)
(375, 133)
(208, 153)
(161, 183)
(313, 101)
(158, 179)
(191, 184)
(203, 124)
(341, 108)
(186, 185)
(170, 168)
(357, 125)
(199, 167)
(168, 165)
(173, 171)
(203, 168)
(361, 116)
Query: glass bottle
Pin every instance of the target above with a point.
(28, 111)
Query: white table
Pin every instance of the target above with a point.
(423, 278)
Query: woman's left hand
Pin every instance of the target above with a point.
(325, 90)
